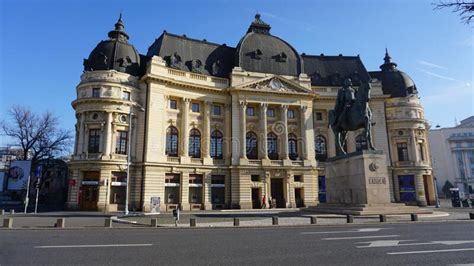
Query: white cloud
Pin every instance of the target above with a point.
(428, 64)
(436, 75)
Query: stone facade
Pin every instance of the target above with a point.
(206, 142)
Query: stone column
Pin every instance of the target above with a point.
(108, 135)
(227, 133)
(263, 132)
(290, 197)
(206, 143)
(412, 146)
(420, 190)
(266, 190)
(304, 138)
(207, 199)
(284, 136)
(185, 127)
(243, 129)
(184, 191)
(81, 144)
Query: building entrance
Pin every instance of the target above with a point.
(299, 197)
(256, 204)
(89, 196)
(277, 193)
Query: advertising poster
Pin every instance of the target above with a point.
(18, 175)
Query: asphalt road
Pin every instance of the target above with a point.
(388, 244)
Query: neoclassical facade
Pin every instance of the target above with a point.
(207, 126)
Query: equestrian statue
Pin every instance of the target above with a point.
(350, 113)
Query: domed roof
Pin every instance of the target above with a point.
(395, 82)
(259, 51)
(115, 53)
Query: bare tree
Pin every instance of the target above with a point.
(465, 9)
(38, 135)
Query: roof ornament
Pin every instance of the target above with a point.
(259, 26)
(388, 65)
(119, 32)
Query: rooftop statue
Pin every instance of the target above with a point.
(350, 113)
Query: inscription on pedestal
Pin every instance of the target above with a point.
(377, 181)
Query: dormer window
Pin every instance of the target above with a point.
(257, 54)
(281, 57)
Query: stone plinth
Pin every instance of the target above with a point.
(358, 183)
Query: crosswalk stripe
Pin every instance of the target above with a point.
(359, 237)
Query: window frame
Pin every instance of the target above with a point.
(193, 109)
(93, 145)
(194, 149)
(121, 142)
(292, 142)
(171, 103)
(215, 150)
(96, 92)
(272, 146)
(251, 150)
(172, 142)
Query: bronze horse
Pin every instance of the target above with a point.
(358, 116)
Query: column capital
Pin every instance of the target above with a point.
(243, 103)
(264, 105)
(303, 108)
(284, 107)
(187, 100)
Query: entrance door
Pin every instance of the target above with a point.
(277, 192)
(428, 185)
(322, 189)
(89, 196)
(299, 197)
(407, 188)
(256, 198)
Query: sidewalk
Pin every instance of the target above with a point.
(286, 217)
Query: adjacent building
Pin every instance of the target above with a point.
(453, 155)
(211, 126)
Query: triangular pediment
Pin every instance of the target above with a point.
(274, 84)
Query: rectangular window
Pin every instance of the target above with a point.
(126, 95)
(319, 116)
(271, 112)
(94, 140)
(217, 179)
(172, 178)
(250, 111)
(255, 178)
(121, 143)
(291, 114)
(421, 150)
(195, 107)
(96, 92)
(402, 150)
(216, 110)
(298, 178)
(173, 104)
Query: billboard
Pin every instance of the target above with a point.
(18, 175)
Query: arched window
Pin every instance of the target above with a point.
(272, 146)
(292, 146)
(194, 143)
(172, 141)
(216, 144)
(320, 148)
(251, 140)
(361, 143)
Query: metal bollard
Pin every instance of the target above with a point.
(8, 222)
(236, 221)
(192, 222)
(275, 220)
(12, 211)
(414, 217)
(154, 222)
(108, 222)
(60, 223)
(471, 215)
(350, 219)
(383, 218)
(314, 220)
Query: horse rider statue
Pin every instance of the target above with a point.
(344, 101)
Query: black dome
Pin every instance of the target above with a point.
(395, 82)
(115, 53)
(258, 51)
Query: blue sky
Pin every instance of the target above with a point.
(43, 43)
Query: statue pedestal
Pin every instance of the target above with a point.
(358, 184)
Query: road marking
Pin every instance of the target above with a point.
(97, 246)
(396, 243)
(362, 230)
(431, 251)
(359, 237)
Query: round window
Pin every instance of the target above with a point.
(123, 118)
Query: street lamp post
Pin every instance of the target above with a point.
(129, 145)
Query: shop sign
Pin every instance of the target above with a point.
(90, 183)
(155, 205)
(171, 184)
(118, 184)
(195, 185)
(217, 185)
